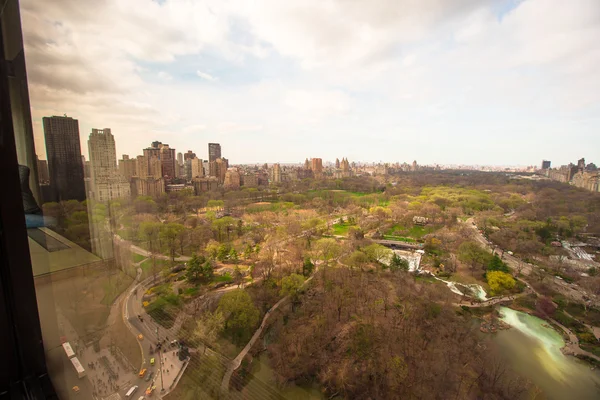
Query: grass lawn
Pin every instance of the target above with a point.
(399, 238)
(415, 232)
(147, 266)
(341, 229)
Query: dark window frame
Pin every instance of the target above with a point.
(23, 371)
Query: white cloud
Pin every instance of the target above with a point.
(165, 76)
(318, 102)
(428, 69)
(206, 76)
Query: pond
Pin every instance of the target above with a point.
(533, 350)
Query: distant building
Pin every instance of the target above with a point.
(189, 155)
(63, 152)
(414, 166)
(148, 186)
(337, 163)
(546, 164)
(128, 167)
(166, 155)
(587, 180)
(207, 184)
(214, 151)
(106, 182)
(218, 168)
(276, 173)
(196, 168)
(232, 178)
(249, 180)
(317, 167)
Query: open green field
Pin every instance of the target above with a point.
(341, 229)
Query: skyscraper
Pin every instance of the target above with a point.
(214, 151)
(546, 164)
(63, 151)
(103, 153)
(106, 182)
(317, 167)
(276, 173)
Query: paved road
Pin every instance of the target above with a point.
(132, 307)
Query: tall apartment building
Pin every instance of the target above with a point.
(276, 173)
(189, 155)
(232, 178)
(316, 165)
(166, 155)
(63, 152)
(196, 168)
(128, 167)
(214, 151)
(106, 182)
(546, 164)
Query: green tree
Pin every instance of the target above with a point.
(291, 285)
(209, 327)
(170, 233)
(499, 281)
(357, 259)
(398, 263)
(241, 315)
(208, 271)
(496, 264)
(307, 267)
(377, 253)
(473, 255)
(195, 268)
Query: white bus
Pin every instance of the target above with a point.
(78, 367)
(68, 349)
(130, 392)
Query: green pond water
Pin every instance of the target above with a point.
(533, 351)
(530, 348)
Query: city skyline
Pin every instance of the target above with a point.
(462, 83)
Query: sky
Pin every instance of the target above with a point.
(450, 82)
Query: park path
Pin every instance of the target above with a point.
(237, 361)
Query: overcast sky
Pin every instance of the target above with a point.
(462, 81)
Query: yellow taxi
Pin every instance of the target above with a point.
(76, 389)
(141, 337)
(152, 361)
(150, 390)
(142, 373)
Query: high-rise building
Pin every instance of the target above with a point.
(189, 155)
(214, 151)
(306, 164)
(128, 167)
(196, 168)
(317, 167)
(167, 161)
(546, 164)
(232, 178)
(337, 162)
(103, 153)
(165, 155)
(276, 173)
(180, 158)
(106, 182)
(43, 174)
(63, 152)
